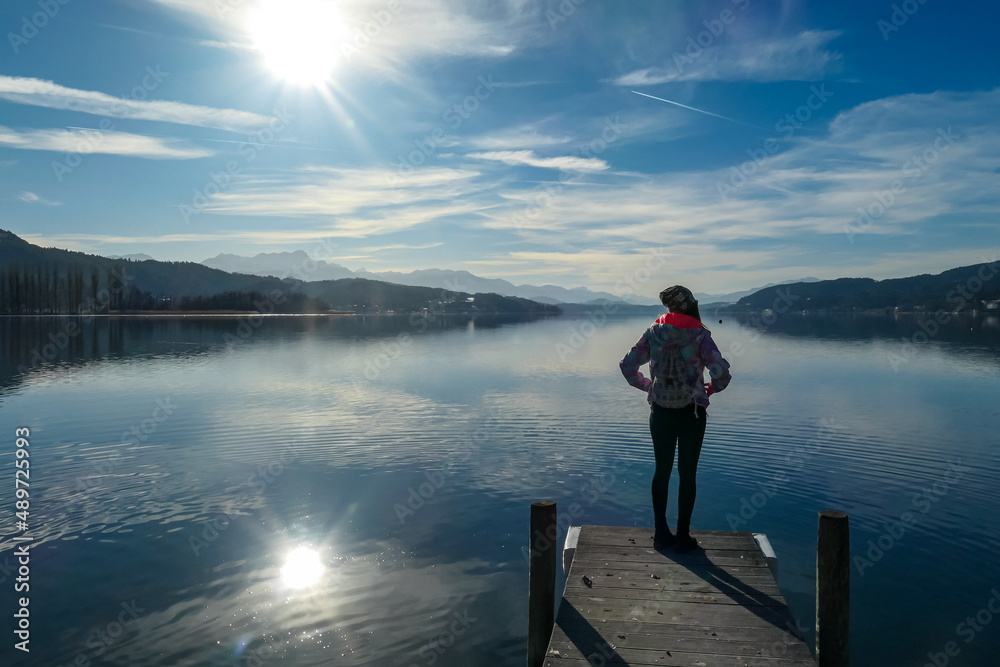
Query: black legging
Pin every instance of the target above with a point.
(670, 428)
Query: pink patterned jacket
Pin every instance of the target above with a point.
(686, 339)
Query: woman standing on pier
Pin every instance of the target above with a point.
(679, 349)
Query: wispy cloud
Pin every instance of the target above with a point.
(398, 246)
(363, 202)
(108, 143)
(32, 198)
(91, 242)
(802, 57)
(810, 191)
(341, 191)
(522, 136)
(41, 93)
(529, 159)
(226, 46)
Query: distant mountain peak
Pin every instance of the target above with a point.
(283, 264)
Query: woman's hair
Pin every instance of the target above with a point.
(680, 299)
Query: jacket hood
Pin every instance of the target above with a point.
(676, 329)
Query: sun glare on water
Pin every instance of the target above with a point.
(302, 568)
(299, 39)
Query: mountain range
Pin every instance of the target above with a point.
(299, 264)
(36, 280)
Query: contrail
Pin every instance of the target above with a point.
(707, 113)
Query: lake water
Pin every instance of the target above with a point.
(175, 463)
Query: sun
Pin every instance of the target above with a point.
(299, 39)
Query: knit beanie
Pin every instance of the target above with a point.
(678, 299)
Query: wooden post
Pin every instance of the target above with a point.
(541, 579)
(833, 590)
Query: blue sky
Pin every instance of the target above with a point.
(507, 138)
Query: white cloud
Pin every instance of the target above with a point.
(339, 192)
(32, 198)
(522, 136)
(803, 57)
(93, 141)
(806, 194)
(41, 93)
(363, 202)
(226, 46)
(528, 158)
(398, 246)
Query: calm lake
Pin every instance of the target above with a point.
(176, 463)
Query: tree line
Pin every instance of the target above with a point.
(79, 289)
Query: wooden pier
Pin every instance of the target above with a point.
(627, 604)
(719, 605)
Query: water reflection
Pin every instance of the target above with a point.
(302, 568)
(182, 471)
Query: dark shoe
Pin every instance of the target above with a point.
(663, 538)
(685, 543)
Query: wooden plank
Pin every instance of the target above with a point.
(628, 604)
(643, 537)
(650, 555)
(700, 566)
(632, 644)
(685, 613)
(662, 659)
(619, 586)
(629, 531)
(691, 645)
(650, 575)
(704, 594)
(621, 631)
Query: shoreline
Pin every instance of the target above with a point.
(190, 313)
